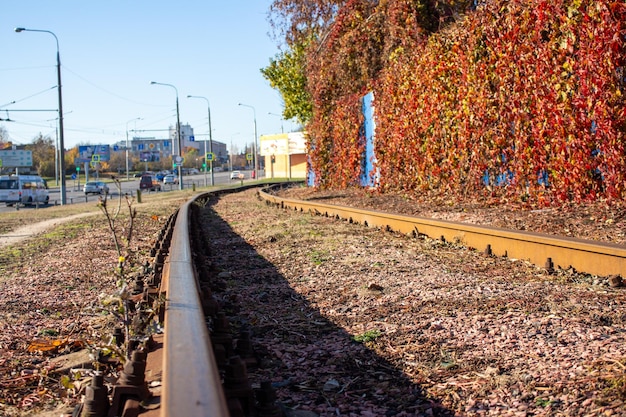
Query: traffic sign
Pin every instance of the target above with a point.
(16, 158)
(210, 156)
(90, 153)
(249, 157)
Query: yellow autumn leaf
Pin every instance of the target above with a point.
(46, 345)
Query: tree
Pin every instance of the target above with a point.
(70, 157)
(190, 154)
(298, 25)
(286, 73)
(43, 151)
(299, 20)
(4, 138)
(335, 48)
(118, 161)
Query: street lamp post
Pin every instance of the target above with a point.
(180, 145)
(256, 165)
(208, 105)
(61, 149)
(56, 156)
(131, 120)
(56, 152)
(282, 130)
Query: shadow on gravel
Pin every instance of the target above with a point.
(313, 364)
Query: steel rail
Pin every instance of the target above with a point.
(591, 257)
(191, 381)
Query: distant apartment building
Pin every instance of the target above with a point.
(152, 149)
(190, 140)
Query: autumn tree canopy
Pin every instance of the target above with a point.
(4, 137)
(43, 151)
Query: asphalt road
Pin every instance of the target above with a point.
(74, 191)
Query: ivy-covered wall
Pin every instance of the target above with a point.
(521, 99)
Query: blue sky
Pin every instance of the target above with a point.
(112, 50)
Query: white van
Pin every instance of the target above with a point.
(24, 189)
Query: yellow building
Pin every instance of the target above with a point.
(285, 155)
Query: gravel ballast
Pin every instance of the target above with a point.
(345, 320)
(404, 326)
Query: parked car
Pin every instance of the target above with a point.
(236, 175)
(95, 187)
(170, 179)
(149, 182)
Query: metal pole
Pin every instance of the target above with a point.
(208, 104)
(56, 156)
(210, 143)
(61, 149)
(282, 129)
(61, 130)
(136, 118)
(127, 176)
(256, 165)
(180, 144)
(180, 147)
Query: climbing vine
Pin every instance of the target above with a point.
(507, 99)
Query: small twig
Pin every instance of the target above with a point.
(118, 185)
(103, 206)
(614, 361)
(127, 328)
(131, 220)
(348, 384)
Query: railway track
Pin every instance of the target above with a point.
(203, 366)
(595, 258)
